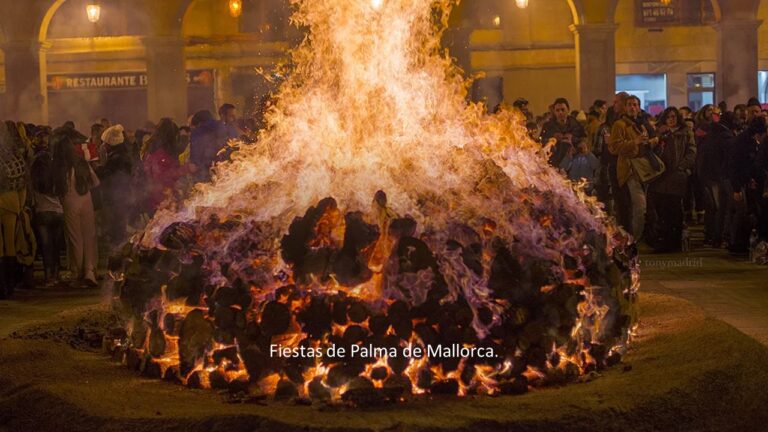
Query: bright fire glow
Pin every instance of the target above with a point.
(372, 102)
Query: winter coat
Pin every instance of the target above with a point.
(678, 151)
(206, 140)
(622, 144)
(162, 172)
(115, 175)
(712, 143)
(742, 163)
(553, 129)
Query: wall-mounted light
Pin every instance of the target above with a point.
(93, 10)
(522, 4)
(235, 8)
(497, 21)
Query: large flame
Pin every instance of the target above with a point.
(371, 102)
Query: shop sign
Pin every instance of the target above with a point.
(118, 80)
(657, 13)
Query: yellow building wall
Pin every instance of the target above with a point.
(532, 50)
(762, 36)
(206, 18)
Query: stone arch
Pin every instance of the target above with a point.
(45, 23)
(592, 11)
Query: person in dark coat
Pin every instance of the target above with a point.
(565, 130)
(115, 176)
(665, 195)
(712, 153)
(207, 139)
(744, 174)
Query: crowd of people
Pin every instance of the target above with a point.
(658, 175)
(63, 193)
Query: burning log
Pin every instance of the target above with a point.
(318, 390)
(195, 337)
(157, 343)
(350, 264)
(308, 244)
(171, 374)
(151, 369)
(445, 387)
(316, 318)
(178, 235)
(358, 312)
(195, 380)
(530, 305)
(275, 318)
(286, 390)
(255, 362)
(229, 354)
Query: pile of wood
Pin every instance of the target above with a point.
(209, 316)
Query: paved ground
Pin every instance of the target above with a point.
(725, 287)
(32, 306)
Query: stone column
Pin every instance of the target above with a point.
(736, 79)
(26, 92)
(166, 78)
(595, 62)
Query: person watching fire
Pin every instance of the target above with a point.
(565, 130)
(631, 135)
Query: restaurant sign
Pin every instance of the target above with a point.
(119, 80)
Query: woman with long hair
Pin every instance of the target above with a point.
(49, 214)
(665, 195)
(73, 180)
(161, 165)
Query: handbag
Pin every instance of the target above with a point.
(648, 167)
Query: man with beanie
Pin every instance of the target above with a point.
(115, 177)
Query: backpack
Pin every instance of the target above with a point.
(12, 170)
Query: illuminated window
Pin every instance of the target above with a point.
(651, 89)
(762, 86)
(701, 90)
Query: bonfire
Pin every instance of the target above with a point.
(382, 238)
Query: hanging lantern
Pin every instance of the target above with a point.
(235, 7)
(522, 4)
(93, 11)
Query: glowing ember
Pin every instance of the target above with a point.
(447, 234)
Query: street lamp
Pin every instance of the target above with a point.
(93, 10)
(235, 7)
(522, 4)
